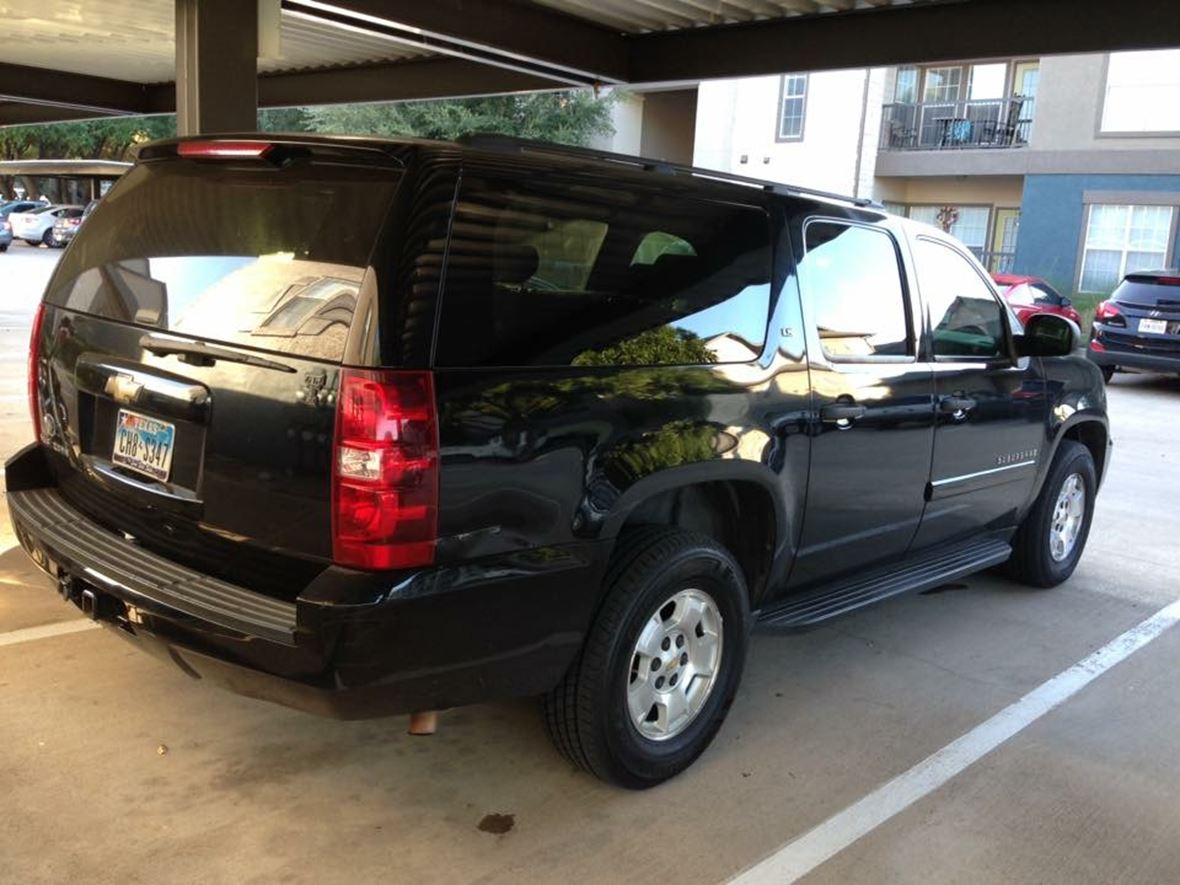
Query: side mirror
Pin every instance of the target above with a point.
(1046, 334)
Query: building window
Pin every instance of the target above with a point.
(1121, 240)
(793, 107)
(967, 224)
(942, 84)
(905, 88)
(1142, 92)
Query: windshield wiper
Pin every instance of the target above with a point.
(200, 354)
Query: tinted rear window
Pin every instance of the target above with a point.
(1148, 293)
(560, 271)
(266, 258)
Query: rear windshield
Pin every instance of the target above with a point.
(1148, 293)
(265, 258)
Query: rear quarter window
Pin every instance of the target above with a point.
(561, 272)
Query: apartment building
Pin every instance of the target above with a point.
(1067, 167)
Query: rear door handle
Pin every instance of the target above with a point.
(956, 404)
(841, 412)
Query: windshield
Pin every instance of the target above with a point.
(266, 258)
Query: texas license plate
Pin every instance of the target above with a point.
(1153, 327)
(144, 444)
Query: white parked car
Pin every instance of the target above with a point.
(36, 226)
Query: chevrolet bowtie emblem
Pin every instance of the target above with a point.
(123, 388)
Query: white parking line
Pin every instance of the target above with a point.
(45, 631)
(799, 857)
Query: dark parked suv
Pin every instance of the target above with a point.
(1138, 327)
(368, 427)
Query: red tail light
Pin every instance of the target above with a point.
(385, 474)
(1107, 312)
(1097, 346)
(223, 150)
(34, 359)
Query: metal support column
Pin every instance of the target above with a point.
(216, 66)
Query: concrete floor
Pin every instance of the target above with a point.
(117, 768)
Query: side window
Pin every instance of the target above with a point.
(657, 244)
(1046, 295)
(565, 272)
(965, 317)
(852, 280)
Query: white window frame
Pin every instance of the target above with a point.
(783, 98)
(1126, 244)
(1162, 79)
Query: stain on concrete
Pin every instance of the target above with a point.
(498, 824)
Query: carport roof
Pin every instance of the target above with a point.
(71, 58)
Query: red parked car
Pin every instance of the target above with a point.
(1029, 295)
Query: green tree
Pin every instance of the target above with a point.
(283, 120)
(573, 117)
(101, 139)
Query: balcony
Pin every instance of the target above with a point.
(957, 125)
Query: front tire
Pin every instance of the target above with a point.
(661, 663)
(1050, 541)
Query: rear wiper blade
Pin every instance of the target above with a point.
(200, 354)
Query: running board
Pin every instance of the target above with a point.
(919, 573)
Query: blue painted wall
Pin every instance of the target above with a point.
(1052, 215)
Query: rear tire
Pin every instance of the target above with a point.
(681, 597)
(1050, 541)
(49, 239)
(1107, 373)
(3, 248)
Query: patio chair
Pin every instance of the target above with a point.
(1004, 131)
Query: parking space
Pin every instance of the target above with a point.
(110, 753)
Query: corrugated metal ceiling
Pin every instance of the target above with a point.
(134, 40)
(639, 16)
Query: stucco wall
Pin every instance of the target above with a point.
(1052, 215)
(992, 190)
(740, 117)
(1069, 102)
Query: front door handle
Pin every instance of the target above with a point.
(841, 413)
(956, 405)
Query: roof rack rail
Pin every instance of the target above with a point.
(494, 142)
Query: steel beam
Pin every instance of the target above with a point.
(902, 35)
(62, 89)
(216, 66)
(16, 113)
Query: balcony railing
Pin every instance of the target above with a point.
(957, 125)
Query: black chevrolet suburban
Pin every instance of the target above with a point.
(367, 427)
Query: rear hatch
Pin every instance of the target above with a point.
(191, 347)
(1149, 306)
